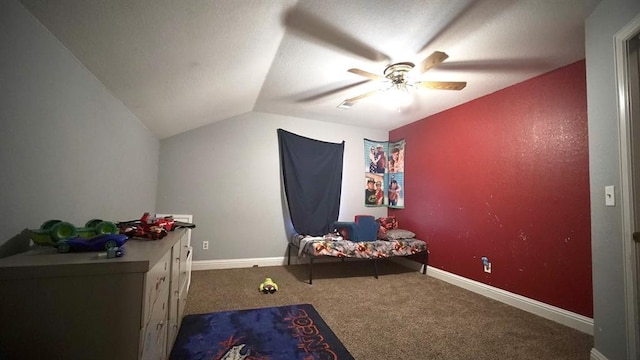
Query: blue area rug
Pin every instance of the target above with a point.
(285, 332)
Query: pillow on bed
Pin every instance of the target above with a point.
(382, 233)
(395, 234)
(388, 222)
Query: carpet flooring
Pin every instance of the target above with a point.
(402, 315)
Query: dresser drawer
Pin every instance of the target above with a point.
(154, 335)
(185, 270)
(185, 252)
(156, 286)
(179, 302)
(176, 266)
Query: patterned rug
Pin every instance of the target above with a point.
(285, 332)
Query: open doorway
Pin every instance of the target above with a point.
(627, 46)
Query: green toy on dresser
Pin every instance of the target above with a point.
(52, 231)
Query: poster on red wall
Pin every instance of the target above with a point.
(384, 173)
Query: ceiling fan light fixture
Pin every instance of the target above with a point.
(397, 81)
(397, 73)
(398, 96)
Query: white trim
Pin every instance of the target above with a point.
(179, 217)
(565, 317)
(237, 263)
(626, 178)
(597, 355)
(245, 263)
(568, 318)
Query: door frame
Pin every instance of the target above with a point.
(625, 125)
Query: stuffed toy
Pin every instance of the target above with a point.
(268, 286)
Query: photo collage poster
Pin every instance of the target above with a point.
(384, 173)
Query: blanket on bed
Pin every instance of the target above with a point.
(322, 246)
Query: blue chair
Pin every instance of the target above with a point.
(364, 228)
(367, 228)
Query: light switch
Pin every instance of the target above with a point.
(609, 195)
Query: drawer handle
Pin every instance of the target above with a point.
(160, 280)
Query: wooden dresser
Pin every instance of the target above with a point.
(84, 306)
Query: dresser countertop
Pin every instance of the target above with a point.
(40, 262)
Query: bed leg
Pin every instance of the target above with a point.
(375, 268)
(289, 254)
(310, 270)
(426, 261)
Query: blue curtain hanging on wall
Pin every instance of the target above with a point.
(312, 174)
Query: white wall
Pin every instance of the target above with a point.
(68, 149)
(610, 335)
(227, 175)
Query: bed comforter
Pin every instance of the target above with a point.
(335, 247)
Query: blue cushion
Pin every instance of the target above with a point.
(367, 228)
(347, 230)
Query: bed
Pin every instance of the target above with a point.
(334, 245)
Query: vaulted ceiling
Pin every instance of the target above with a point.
(179, 65)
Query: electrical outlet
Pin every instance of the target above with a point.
(205, 245)
(486, 265)
(610, 195)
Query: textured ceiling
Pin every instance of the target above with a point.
(179, 65)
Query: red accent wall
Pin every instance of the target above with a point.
(506, 176)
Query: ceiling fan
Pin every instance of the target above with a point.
(396, 78)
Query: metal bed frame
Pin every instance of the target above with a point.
(375, 261)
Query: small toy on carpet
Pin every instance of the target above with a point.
(268, 286)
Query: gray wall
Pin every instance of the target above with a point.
(68, 149)
(607, 19)
(227, 175)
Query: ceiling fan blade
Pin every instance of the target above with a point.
(349, 102)
(312, 26)
(442, 85)
(367, 74)
(319, 93)
(432, 60)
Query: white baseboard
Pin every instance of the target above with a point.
(244, 263)
(596, 355)
(237, 263)
(568, 318)
(565, 317)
